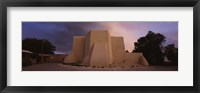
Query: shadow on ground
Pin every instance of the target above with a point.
(62, 67)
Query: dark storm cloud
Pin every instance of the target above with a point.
(60, 34)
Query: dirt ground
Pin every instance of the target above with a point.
(62, 67)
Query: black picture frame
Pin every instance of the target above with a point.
(100, 3)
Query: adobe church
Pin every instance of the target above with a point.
(98, 48)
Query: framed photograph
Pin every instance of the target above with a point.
(88, 46)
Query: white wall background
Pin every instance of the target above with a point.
(182, 77)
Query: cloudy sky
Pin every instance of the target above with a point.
(60, 34)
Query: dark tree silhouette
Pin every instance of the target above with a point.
(38, 46)
(151, 47)
(172, 53)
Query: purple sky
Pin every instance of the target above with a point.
(60, 34)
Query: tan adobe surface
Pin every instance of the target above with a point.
(98, 48)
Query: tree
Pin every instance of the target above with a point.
(38, 46)
(151, 47)
(172, 53)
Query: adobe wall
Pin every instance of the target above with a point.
(95, 37)
(79, 47)
(132, 58)
(87, 47)
(136, 59)
(99, 56)
(78, 50)
(118, 50)
(87, 44)
(98, 48)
